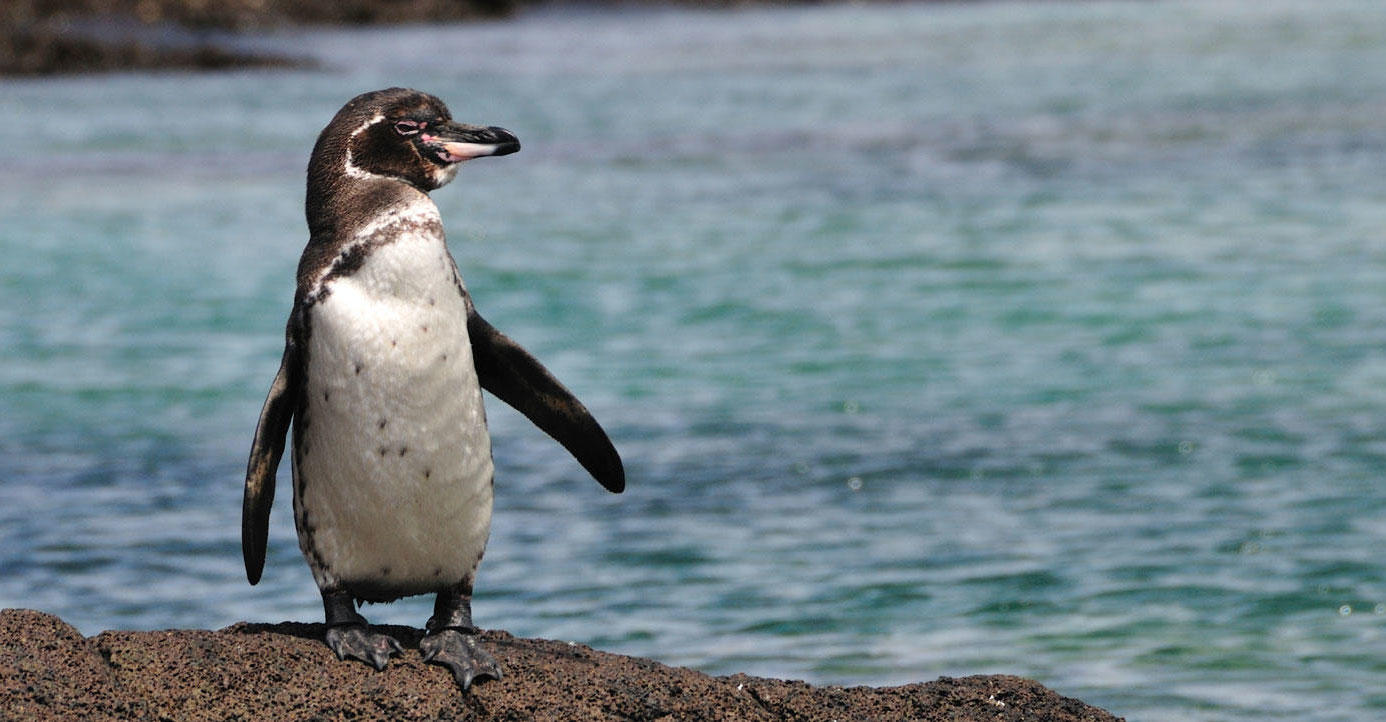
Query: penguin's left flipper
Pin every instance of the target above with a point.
(517, 378)
(268, 447)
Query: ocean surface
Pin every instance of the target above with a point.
(1045, 339)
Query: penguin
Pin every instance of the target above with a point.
(385, 357)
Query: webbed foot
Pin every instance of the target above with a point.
(461, 653)
(357, 641)
(350, 637)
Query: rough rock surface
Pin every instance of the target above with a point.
(283, 671)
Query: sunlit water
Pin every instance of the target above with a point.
(1040, 339)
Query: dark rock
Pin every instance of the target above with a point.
(45, 37)
(284, 671)
(244, 14)
(53, 48)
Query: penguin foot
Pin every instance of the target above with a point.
(460, 653)
(356, 641)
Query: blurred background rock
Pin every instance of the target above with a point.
(44, 37)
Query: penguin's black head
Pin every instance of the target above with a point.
(407, 135)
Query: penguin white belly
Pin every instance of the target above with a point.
(393, 471)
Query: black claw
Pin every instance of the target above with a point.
(461, 654)
(356, 641)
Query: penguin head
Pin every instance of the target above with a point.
(405, 135)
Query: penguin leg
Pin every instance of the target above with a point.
(350, 637)
(451, 639)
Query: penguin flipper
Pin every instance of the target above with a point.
(270, 435)
(517, 378)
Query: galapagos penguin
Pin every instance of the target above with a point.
(385, 357)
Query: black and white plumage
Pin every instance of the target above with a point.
(384, 360)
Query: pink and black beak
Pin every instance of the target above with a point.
(450, 142)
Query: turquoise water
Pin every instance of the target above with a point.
(1045, 339)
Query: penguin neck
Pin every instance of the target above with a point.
(343, 206)
(347, 213)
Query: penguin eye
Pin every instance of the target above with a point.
(407, 127)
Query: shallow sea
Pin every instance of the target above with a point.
(1045, 339)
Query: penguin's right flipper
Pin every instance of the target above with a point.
(517, 378)
(265, 452)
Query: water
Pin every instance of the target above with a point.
(938, 340)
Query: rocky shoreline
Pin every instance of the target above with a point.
(49, 37)
(283, 671)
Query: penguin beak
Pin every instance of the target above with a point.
(455, 142)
